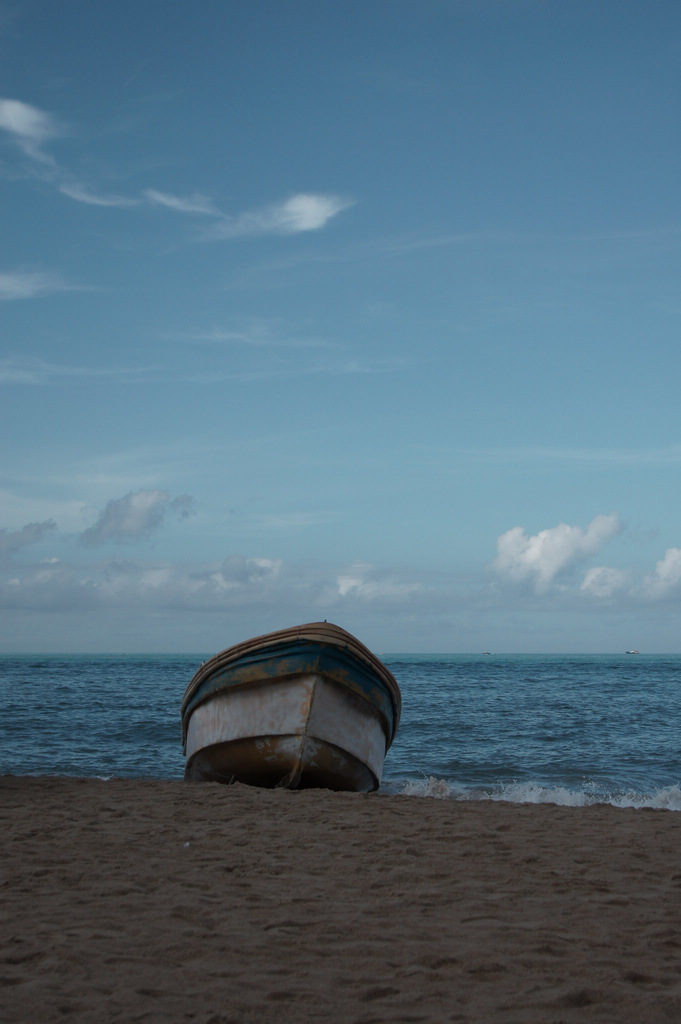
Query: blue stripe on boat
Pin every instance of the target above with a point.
(294, 657)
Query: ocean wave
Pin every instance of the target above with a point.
(667, 798)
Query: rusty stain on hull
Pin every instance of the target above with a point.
(254, 714)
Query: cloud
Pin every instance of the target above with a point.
(38, 372)
(27, 126)
(369, 584)
(192, 204)
(667, 576)
(184, 504)
(252, 333)
(30, 128)
(25, 121)
(32, 533)
(29, 285)
(603, 582)
(261, 587)
(237, 571)
(302, 212)
(132, 517)
(57, 586)
(542, 557)
(85, 195)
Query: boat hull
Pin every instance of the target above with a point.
(291, 712)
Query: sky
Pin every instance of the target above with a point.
(366, 311)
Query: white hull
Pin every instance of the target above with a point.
(297, 731)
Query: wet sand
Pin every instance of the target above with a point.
(160, 901)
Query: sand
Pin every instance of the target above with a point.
(162, 901)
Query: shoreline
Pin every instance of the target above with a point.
(667, 797)
(166, 901)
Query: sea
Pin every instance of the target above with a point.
(564, 729)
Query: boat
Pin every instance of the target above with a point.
(307, 706)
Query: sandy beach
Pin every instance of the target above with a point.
(161, 901)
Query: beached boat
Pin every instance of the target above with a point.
(301, 707)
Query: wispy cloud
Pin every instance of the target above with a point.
(237, 572)
(305, 211)
(302, 212)
(342, 368)
(38, 372)
(134, 516)
(370, 584)
(22, 284)
(32, 533)
(82, 194)
(196, 203)
(613, 456)
(251, 333)
(28, 127)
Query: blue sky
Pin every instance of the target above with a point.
(366, 311)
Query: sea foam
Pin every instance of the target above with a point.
(666, 798)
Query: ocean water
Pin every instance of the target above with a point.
(564, 729)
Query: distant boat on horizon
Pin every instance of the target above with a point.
(631, 652)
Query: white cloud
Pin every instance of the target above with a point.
(192, 204)
(82, 194)
(133, 516)
(25, 121)
(59, 586)
(303, 212)
(32, 533)
(667, 575)
(168, 604)
(254, 333)
(542, 557)
(122, 580)
(239, 572)
(29, 285)
(38, 372)
(603, 582)
(28, 126)
(369, 584)
(262, 587)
